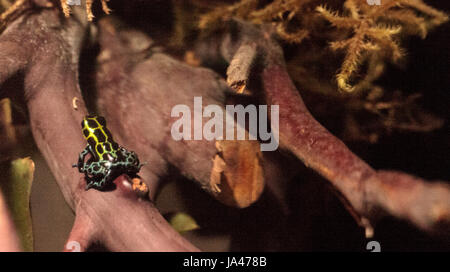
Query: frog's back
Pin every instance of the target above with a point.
(99, 138)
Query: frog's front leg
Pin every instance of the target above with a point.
(97, 184)
(81, 158)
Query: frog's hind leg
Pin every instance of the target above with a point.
(93, 184)
(101, 184)
(93, 171)
(90, 183)
(131, 160)
(96, 184)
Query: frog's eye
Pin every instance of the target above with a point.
(101, 120)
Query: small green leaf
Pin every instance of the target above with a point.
(6, 123)
(183, 222)
(17, 192)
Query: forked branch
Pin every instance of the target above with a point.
(46, 46)
(365, 191)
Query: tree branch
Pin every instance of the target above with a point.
(48, 46)
(365, 191)
(137, 88)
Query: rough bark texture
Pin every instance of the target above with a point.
(137, 86)
(365, 191)
(47, 48)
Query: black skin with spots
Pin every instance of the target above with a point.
(107, 159)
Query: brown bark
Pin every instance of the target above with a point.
(364, 190)
(47, 48)
(137, 87)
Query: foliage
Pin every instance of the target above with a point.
(18, 177)
(374, 30)
(17, 190)
(353, 38)
(182, 222)
(365, 32)
(66, 9)
(4, 5)
(8, 9)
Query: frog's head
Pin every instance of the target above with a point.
(90, 123)
(93, 122)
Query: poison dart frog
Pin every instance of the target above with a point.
(108, 159)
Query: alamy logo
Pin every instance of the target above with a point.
(218, 128)
(374, 2)
(73, 246)
(74, 2)
(373, 246)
